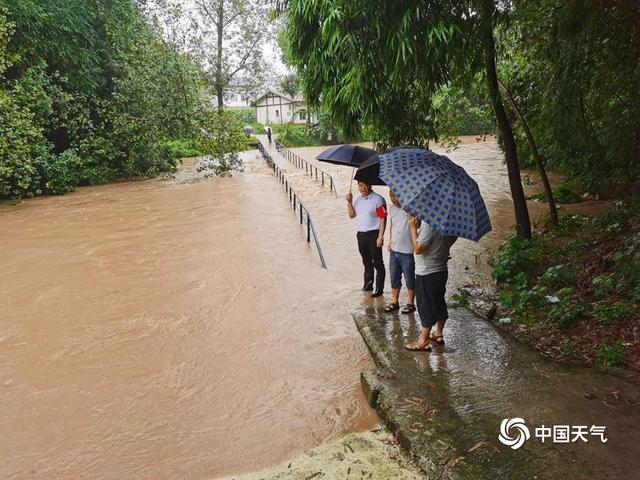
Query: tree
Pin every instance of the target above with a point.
(379, 63)
(232, 33)
(487, 14)
(573, 68)
(90, 91)
(290, 84)
(534, 151)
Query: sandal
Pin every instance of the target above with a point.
(414, 347)
(392, 307)
(439, 339)
(408, 308)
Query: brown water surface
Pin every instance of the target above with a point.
(159, 330)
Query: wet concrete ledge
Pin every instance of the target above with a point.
(446, 407)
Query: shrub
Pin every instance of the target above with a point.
(604, 311)
(22, 148)
(221, 138)
(567, 312)
(95, 174)
(559, 276)
(604, 285)
(462, 297)
(612, 355)
(62, 173)
(173, 150)
(258, 128)
(291, 135)
(515, 256)
(563, 193)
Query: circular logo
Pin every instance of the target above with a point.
(520, 430)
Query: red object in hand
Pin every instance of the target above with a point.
(382, 211)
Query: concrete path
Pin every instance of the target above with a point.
(447, 406)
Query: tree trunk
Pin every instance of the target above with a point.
(534, 150)
(523, 223)
(219, 81)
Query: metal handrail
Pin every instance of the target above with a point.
(294, 199)
(309, 168)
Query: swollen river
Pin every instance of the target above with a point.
(185, 329)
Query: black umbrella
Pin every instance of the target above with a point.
(369, 171)
(347, 155)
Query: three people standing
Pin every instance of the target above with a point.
(417, 252)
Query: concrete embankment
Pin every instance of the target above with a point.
(446, 407)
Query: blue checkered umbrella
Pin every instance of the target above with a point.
(437, 191)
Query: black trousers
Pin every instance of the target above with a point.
(371, 257)
(430, 291)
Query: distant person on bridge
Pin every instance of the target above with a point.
(269, 134)
(401, 261)
(370, 210)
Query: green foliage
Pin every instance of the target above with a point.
(247, 115)
(62, 173)
(563, 193)
(89, 92)
(221, 138)
(22, 148)
(584, 276)
(575, 79)
(291, 135)
(559, 276)
(459, 111)
(462, 297)
(390, 57)
(290, 84)
(258, 128)
(612, 355)
(515, 258)
(605, 312)
(604, 285)
(177, 149)
(567, 312)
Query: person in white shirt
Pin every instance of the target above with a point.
(401, 261)
(370, 210)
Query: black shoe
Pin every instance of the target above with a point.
(377, 293)
(368, 286)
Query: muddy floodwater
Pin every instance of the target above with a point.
(185, 329)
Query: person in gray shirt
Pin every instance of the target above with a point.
(431, 257)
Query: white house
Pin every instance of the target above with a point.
(275, 107)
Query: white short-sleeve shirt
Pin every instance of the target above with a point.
(400, 234)
(366, 211)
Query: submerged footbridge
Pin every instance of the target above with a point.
(294, 199)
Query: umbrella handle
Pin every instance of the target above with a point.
(353, 172)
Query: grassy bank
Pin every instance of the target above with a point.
(573, 292)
